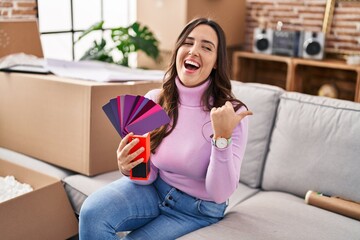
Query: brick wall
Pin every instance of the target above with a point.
(344, 35)
(18, 9)
(345, 28)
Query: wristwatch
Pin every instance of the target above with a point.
(221, 142)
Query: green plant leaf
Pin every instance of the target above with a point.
(134, 38)
(98, 52)
(94, 27)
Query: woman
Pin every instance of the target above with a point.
(196, 159)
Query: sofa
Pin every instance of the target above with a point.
(297, 143)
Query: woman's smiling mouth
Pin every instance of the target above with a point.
(191, 65)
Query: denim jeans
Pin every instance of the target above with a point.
(156, 211)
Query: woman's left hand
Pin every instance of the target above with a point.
(224, 120)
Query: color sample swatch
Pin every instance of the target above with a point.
(137, 114)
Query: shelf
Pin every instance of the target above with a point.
(296, 74)
(262, 68)
(309, 76)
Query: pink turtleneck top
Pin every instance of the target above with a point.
(187, 160)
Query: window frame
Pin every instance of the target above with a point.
(72, 30)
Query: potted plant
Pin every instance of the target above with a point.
(126, 40)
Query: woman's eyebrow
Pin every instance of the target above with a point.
(204, 41)
(209, 42)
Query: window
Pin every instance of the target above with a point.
(61, 23)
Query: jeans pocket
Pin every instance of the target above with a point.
(211, 209)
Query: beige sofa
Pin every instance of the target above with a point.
(297, 143)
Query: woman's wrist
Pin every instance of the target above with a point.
(226, 135)
(127, 174)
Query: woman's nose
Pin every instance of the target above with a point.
(194, 51)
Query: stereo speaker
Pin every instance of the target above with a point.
(313, 44)
(263, 40)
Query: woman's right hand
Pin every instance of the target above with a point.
(125, 160)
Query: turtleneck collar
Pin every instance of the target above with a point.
(191, 96)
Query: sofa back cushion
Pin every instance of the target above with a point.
(315, 145)
(262, 100)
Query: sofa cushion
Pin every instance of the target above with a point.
(275, 215)
(34, 164)
(315, 146)
(78, 187)
(242, 193)
(262, 100)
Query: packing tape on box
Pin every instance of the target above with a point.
(334, 204)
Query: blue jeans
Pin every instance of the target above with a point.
(156, 211)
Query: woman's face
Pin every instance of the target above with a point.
(197, 56)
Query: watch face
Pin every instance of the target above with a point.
(221, 143)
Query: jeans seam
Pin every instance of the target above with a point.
(132, 218)
(116, 237)
(203, 213)
(128, 237)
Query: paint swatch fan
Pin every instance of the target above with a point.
(140, 115)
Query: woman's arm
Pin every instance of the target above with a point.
(223, 173)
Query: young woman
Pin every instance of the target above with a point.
(195, 160)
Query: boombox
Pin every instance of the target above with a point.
(289, 43)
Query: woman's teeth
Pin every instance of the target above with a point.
(191, 65)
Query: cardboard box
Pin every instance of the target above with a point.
(231, 15)
(20, 36)
(61, 121)
(44, 213)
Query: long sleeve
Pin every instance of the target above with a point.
(223, 173)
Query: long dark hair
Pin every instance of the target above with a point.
(219, 88)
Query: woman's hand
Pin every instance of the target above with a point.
(125, 160)
(224, 120)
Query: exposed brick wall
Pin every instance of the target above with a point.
(344, 35)
(345, 28)
(18, 9)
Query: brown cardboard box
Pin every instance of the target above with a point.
(20, 36)
(44, 213)
(61, 121)
(167, 18)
